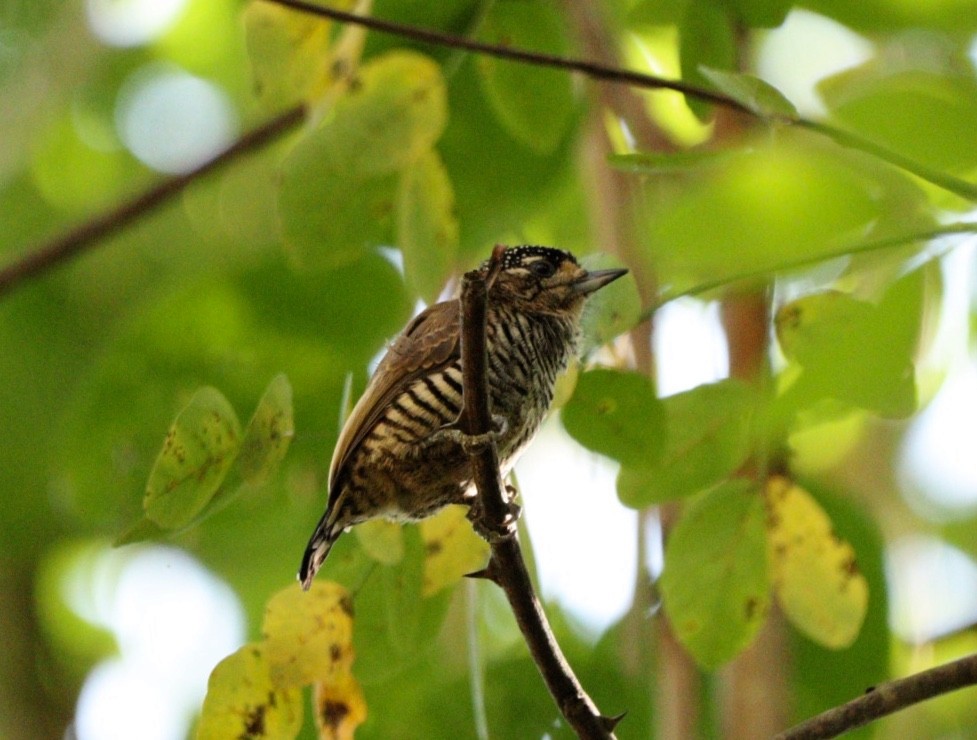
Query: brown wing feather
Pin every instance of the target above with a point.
(428, 342)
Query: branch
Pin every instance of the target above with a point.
(506, 566)
(885, 699)
(955, 185)
(961, 227)
(86, 235)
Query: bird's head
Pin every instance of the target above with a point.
(546, 280)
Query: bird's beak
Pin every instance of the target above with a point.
(597, 279)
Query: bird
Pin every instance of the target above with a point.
(390, 460)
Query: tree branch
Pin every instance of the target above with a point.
(85, 235)
(955, 185)
(886, 698)
(506, 566)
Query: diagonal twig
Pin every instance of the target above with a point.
(886, 698)
(71, 243)
(506, 565)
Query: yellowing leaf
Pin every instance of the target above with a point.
(242, 701)
(381, 540)
(339, 708)
(308, 635)
(288, 50)
(452, 549)
(269, 433)
(815, 575)
(197, 453)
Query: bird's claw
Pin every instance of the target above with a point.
(470, 443)
(494, 532)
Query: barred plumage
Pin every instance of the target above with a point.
(389, 460)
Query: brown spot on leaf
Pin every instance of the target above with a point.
(333, 713)
(254, 723)
(335, 653)
(433, 547)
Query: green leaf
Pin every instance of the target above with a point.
(288, 51)
(708, 439)
(499, 183)
(758, 96)
(762, 13)
(937, 108)
(198, 452)
(268, 434)
(339, 183)
(427, 227)
(706, 41)
(395, 622)
(958, 18)
(617, 414)
(242, 701)
(765, 209)
(534, 105)
(716, 581)
(854, 351)
(612, 310)
(382, 540)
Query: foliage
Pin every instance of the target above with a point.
(296, 263)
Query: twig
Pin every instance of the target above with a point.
(539, 59)
(84, 236)
(667, 296)
(607, 73)
(887, 698)
(506, 566)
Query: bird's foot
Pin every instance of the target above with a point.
(495, 531)
(470, 443)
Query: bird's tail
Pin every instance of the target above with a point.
(326, 533)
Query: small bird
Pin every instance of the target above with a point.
(390, 460)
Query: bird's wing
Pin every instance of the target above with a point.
(428, 342)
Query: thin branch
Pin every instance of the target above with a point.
(961, 227)
(886, 699)
(932, 175)
(84, 236)
(958, 186)
(506, 566)
(535, 58)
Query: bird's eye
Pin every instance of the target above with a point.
(543, 268)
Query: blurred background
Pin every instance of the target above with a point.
(103, 98)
